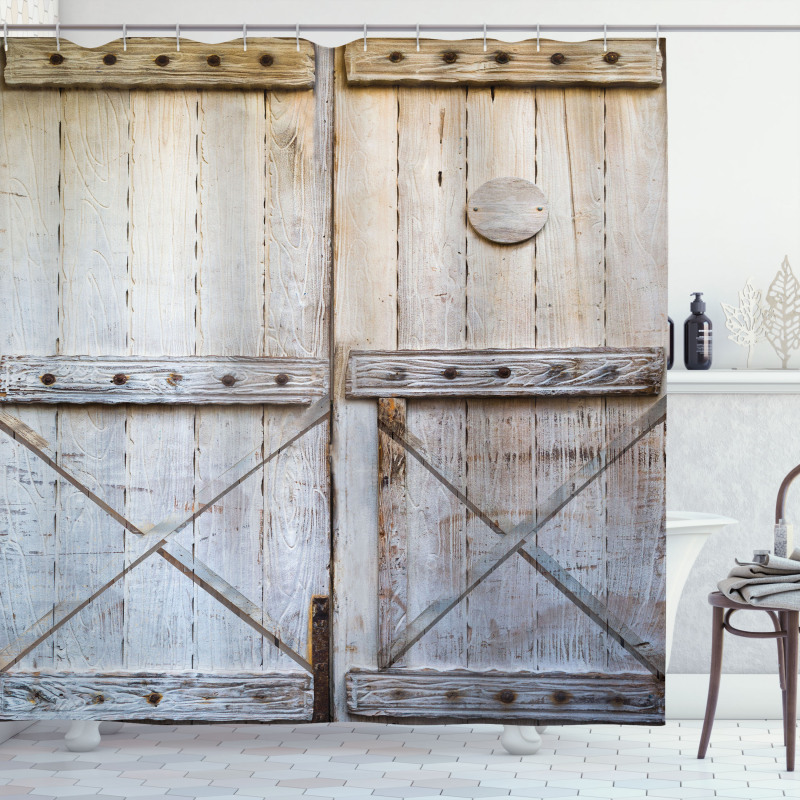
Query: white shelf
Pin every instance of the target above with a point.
(734, 381)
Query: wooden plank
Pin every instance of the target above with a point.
(151, 62)
(549, 371)
(188, 380)
(528, 697)
(161, 441)
(141, 695)
(570, 287)
(500, 304)
(93, 319)
(230, 296)
(431, 305)
(397, 61)
(636, 301)
(365, 315)
(296, 500)
(29, 265)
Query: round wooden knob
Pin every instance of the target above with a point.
(507, 210)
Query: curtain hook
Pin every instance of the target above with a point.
(656, 37)
(297, 36)
(124, 37)
(365, 37)
(58, 37)
(418, 37)
(605, 37)
(244, 37)
(537, 37)
(5, 36)
(484, 37)
(178, 37)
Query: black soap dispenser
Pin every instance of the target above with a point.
(697, 336)
(671, 351)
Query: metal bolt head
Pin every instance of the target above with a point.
(502, 58)
(213, 61)
(48, 379)
(228, 380)
(450, 373)
(450, 57)
(281, 379)
(396, 57)
(503, 372)
(611, 57)
(557, 58)
(162, 60)
(266, 60)
(507, 696)
(56, 58)
(119, 379)
(109, 59)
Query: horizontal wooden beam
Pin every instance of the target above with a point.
(505, 373)
(624, 62)
(140, 380)
(156, 63)
(265, 697)
(511, 697)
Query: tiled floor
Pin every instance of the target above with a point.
(227, 762)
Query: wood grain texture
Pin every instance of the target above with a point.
(636, 273)
(396, 61)
(29, 265)
(296, 498)
(91, 442)
(570, 312)
(29, 62)
(365, 315)
(431, 301)
(230, 296)
(481, 373)
(512, 697)
(140, 695)
(187, 380)
(507, 210)
(162, 314)
(500, 314)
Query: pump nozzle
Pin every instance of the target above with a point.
(697, 306)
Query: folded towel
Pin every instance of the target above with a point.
(775, 583)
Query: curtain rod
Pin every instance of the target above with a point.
(427, 28)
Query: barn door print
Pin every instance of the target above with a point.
(164, 342)
(499, 512)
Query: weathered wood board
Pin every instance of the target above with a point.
(151, 234)
(148, 63)
(505, 373)
(163, 381)
(626, 62)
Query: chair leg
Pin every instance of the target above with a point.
(781, 642)
(790, 716)
(717, 632)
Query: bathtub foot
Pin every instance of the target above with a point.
(83, 736)
(110, 727)
(521, 740)
(541, 728)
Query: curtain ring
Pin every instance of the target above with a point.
(244, 37)
(297, 36)
(178, 37)
(605, 37)
(365, 37)
(656, 37)
(58, 37)
(124, 37)
(418, 37)
(484, 37)
(5, 36)
(537, 38)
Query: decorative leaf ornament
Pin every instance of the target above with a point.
(748, 322)
(783, 324)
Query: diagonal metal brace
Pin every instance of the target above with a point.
(517, 540)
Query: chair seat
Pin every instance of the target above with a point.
(723, 601)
